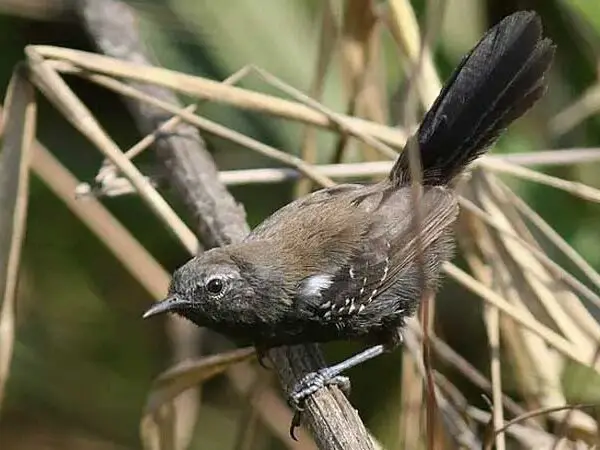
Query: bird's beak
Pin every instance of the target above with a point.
(169, 304)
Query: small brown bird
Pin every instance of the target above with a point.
(344, 262)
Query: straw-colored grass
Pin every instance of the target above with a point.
(538, 315)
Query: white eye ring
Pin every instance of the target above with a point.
(215, 286)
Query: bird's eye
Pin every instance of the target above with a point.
(215, 286)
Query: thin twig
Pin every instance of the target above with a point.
(342, 122)
(327, 46)
(212, 127)
(58, 92)
(167, 127)
(558, 342)
(564, 424)
(572, 187)
(352, 170)
(541, 412)
(557, 270)
(18, 133)
(214, 91)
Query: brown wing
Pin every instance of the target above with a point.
(388, 249)
(315, 234)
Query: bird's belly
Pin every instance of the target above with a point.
(311, 331)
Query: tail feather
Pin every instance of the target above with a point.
(496, 83)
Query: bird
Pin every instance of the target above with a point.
(347, 262)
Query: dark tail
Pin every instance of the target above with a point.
(498, 81)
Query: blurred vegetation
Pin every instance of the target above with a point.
(84, 359)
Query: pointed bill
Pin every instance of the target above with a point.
(169, 304)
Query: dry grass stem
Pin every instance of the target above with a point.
(214, 128)
(492, 319)
(533, 308)
(19, 131)
(205, 89)
(562, 245)
(58, 92)
(500, 224)
(577, 189)
(587, 105)
(188, 374)
(342, 122)
(558, 342)
(446, 354)
(404, 27)
(359, 46)
(530, 438)
(108, 173)
(327, 47)
(410, 427)
(525, 283)
(541, 412)
(458, 429)
(112, 185)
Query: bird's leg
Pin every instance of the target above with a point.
(327, 376)
(314, 381)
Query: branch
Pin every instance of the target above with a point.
(218, 218)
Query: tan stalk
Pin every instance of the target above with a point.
(202, 88)
(59, 93)
(19, 131)
(327, 50)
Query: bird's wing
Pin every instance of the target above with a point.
(388, 247)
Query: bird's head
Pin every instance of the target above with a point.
(207, 290)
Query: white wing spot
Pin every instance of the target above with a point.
(361, 308)
(362, 289)
(385, 269)
(315, 284)
(373, 293)
(352, 273)
(325, 305)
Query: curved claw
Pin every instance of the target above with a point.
(296, 421)
(307, 386)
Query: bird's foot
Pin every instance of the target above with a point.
(314, 381)
(310, 384)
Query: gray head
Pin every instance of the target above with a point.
(207, 289)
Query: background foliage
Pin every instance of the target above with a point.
(84, 359)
